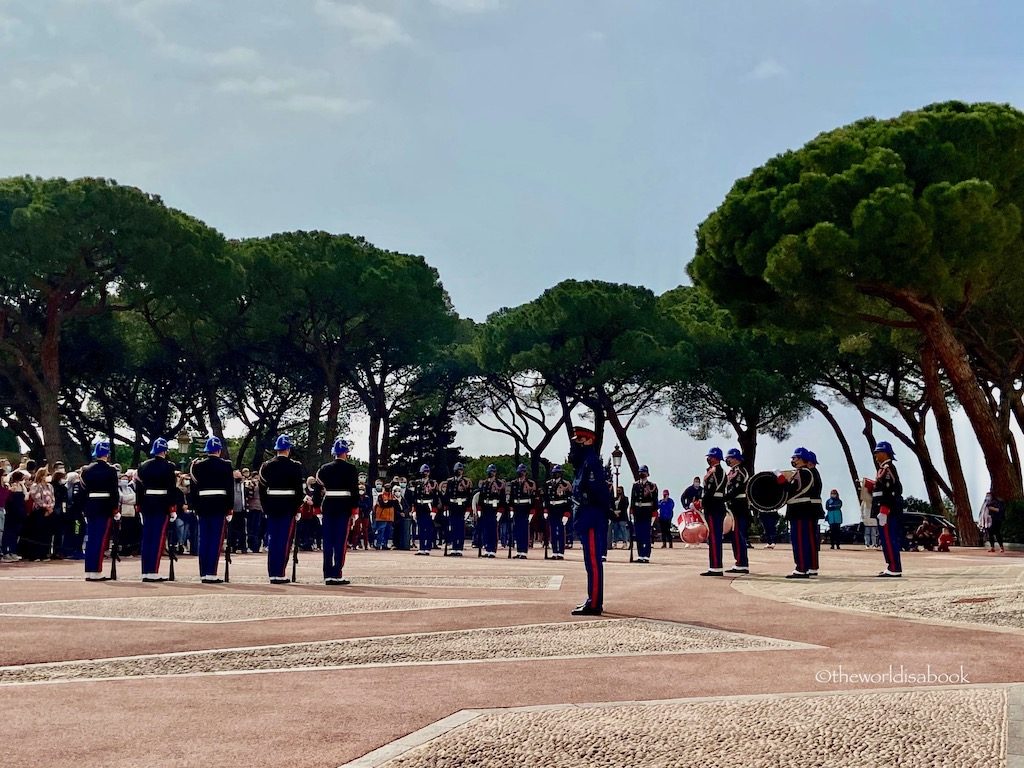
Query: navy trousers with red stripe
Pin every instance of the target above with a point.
(154, 534)
(211, 542)
(279, 539)
(335, 533)
(557, 535)
(97, 529)
(740, 532)
(891, 535)
(801, 536)
(592, 530)
(521, 529)
(715, 516)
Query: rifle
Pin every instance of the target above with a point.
(295, 548)
(547, 534)
(511, 530)
(447, 531)
(172, 557)
(227, 551)
(115, 546)
(629, 522)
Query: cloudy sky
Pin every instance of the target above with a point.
(514, 143)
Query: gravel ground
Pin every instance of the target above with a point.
(225, 608)
(931, 729)
(997, 605)
(570, 639)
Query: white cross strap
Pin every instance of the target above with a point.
(279, 492)
(99, 495)
(332, 494)
(161, 492)
(213, 492)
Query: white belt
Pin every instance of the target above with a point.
(331, 494)
(718, 495)
(459, 501)
(213, 493)
(644, 504)
(523, 501)
(877, 493)
(156, 493)
(99, 495)
(276, 492)
(563, 501)
(491, 503)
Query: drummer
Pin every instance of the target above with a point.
(803, 487)
(714, 510)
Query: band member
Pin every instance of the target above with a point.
(336, 494)
(422, 497)
(155, 485)
(522, 498)
(457, 492)
(714, 510)
(557, 495)
(887, 507)
(282, 481)
(99, 485)
(212, 499)
(736, 502)
(492, 503)
(819, 512)
(591, 501)
(643, 499)
(804, 486)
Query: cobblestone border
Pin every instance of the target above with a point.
(1013, 728)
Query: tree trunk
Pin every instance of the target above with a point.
(624, 442)
(333, 411)
(373, 458)
(49, 425)
(947, 438)
(950, 353)
(928, 471)
(747, 439)
(851, 465)
(316, 407)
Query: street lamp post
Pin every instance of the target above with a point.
(183, 442)
(616, 463)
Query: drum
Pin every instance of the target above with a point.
(765, 494)
(692, 529)
(728, 523)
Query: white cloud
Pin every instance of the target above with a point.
(11, 28)
(256, 86)
(40, 86)
(767, 69)
(367, 29)
(468, 6)
(325, 105)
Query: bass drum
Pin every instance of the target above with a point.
(692, 529)
(764, 492)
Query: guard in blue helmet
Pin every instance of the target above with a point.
(557, 510)
(422, 497)
(282, 483)
(155, 486)
(736, 502)
(492, 503)
(211, 493)
(643, 500)
(592, 500)
(803, 487)
(457, 494)
(522, 495)
(99, 483)
(714, 510)
(887, 507)
(336, 494)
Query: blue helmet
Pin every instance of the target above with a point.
(556, 470)
(491, 468)
(521, 468)
(101, 448)
(459, 466)
(734, 453)
(213, 445)
(283, 443)
(714, 453)
(801, 453)
(644, 470)
(340, 447)
(883, 446)
(424, 468)
(812, 457)
(159, 446)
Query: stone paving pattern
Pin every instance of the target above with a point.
(925, 729)
(571, 639)
(221, 608)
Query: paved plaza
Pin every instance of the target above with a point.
(450, 662)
